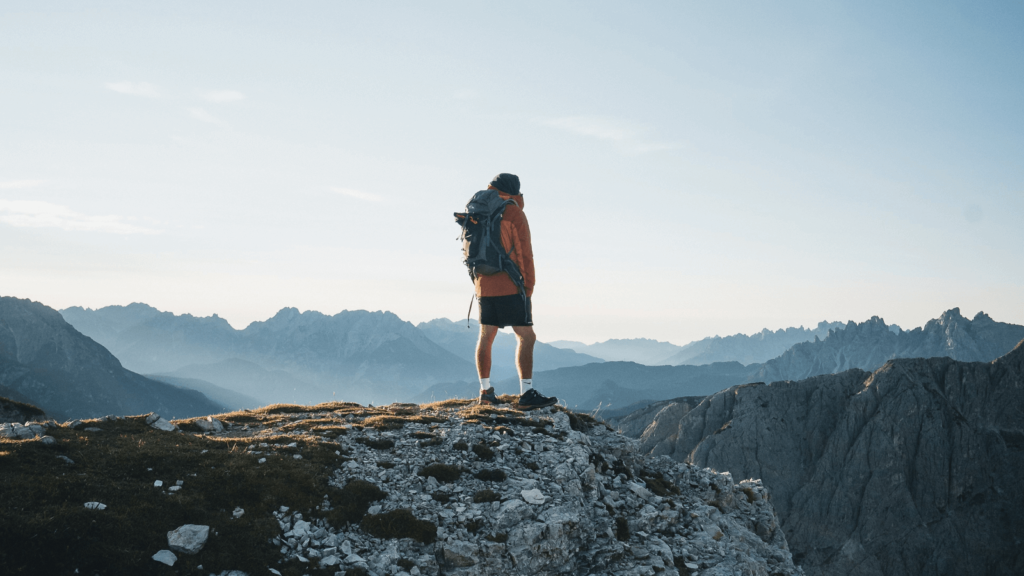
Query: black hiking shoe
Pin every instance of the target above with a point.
(531, 400)
(487, 397)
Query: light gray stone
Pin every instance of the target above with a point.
(165, 557)
(188, 539)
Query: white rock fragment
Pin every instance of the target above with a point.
(152, 418)
(173, 488)
(95, 506)
(262, 460)
(534, 496)
(354, 559)
(161, 424)
(238, 512)
(165, 557)
(48, 440)
(158, 483)
(188, 539)
(65, 459)
(210, 424)
(331, 560)
(297, 456)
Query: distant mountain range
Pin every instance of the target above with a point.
(298, 357)
(752, 349)
(45, 362)
(913, 469)
(304, 357)
(616, 385)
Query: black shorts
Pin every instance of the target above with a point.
(502, 311)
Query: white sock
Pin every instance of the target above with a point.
(525, 384)
(485, 383)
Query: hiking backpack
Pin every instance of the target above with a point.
(483, 253)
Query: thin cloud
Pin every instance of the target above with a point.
(466, 95)
(19, 184)
(629, 136)
(135, 88)
(359, 194)
(223, 96)
(204, 116)
(36, 214)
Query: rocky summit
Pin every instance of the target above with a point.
(343, 489)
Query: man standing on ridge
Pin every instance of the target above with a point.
(501, 303)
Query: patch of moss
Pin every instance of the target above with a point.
(442, 472)
(399, 524)
(495, 475)
(621, 529)
(405, 564)
(483, 452)
(533, 466)
(385, 465)
(460, 445)
(474, 526)
(441, 497)
(351, 502)
(500, 537)
(486, 496)
(357, 571)
(377, 443)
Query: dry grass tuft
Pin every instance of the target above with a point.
(495, 475)
(353, 502)
(486, 496)
(442, 472)
(377, 443)
(400, 524)
(483, 452)
(446, 404)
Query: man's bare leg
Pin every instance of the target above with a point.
(483, 350)
(483, 364)
(524, 352)
(529, 398)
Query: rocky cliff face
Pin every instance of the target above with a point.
(47, 363)
(870, 344)
(913, 469)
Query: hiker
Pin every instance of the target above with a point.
(502, 303)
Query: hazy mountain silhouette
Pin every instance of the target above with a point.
(752, 349)
(46, 362)
(353, 355)
(639, 350)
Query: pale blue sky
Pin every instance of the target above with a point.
(689, 169)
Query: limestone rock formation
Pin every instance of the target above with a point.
(870, 344)
(911, 470)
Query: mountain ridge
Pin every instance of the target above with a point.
(48, 363)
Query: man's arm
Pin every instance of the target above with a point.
(524, 251)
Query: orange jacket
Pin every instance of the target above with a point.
(515, 237)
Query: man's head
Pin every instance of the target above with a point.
(507, 183)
